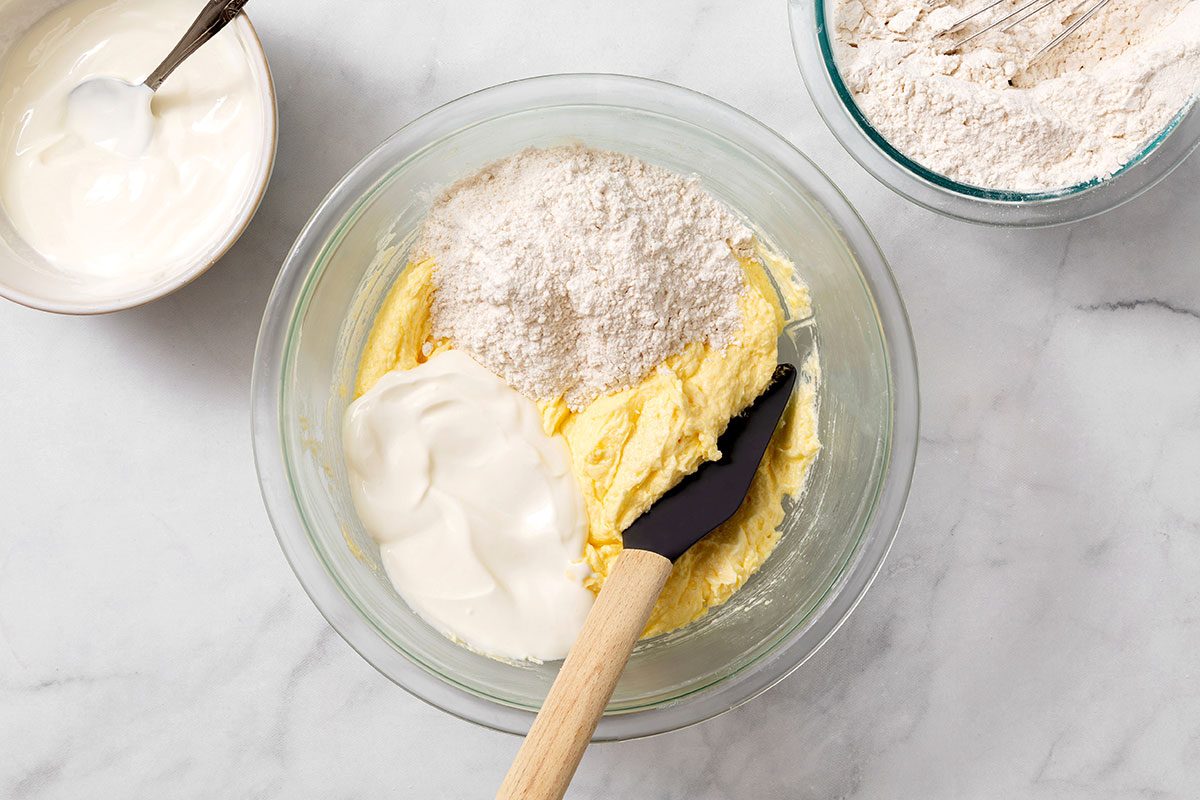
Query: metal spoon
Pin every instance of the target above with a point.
(114, 113)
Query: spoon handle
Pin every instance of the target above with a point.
(547, 760)
(215, 16)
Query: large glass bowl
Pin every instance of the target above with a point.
(835, 537)
(811, 25)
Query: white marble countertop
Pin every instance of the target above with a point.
(1034, 633)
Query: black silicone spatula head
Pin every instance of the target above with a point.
(711, 495)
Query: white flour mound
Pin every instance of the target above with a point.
(979, 117)
(572, 271)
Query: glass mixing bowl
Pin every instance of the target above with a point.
(835, 536)
(811, 25)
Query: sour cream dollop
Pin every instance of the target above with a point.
(479, 519)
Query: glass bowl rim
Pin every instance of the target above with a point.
(301, 268)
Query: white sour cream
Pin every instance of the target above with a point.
(112, 114)
(139, 192)
(478, 516)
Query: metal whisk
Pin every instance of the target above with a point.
(1019, 15)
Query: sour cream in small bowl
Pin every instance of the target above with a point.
(97, 223)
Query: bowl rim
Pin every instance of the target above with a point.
(929, 189)
(217, 250)
(270, 373)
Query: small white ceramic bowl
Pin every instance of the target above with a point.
(26, 278)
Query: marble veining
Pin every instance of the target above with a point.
(1033, 634)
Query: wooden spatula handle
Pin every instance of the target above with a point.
(551, 752)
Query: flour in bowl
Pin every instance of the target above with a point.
(572, 272)
(980, 117)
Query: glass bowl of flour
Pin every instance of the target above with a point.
(976, 134)
(834, 537)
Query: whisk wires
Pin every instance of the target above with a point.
(1016, 17)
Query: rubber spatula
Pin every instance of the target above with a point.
(547, 760)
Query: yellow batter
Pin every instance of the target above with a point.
(630, 447)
